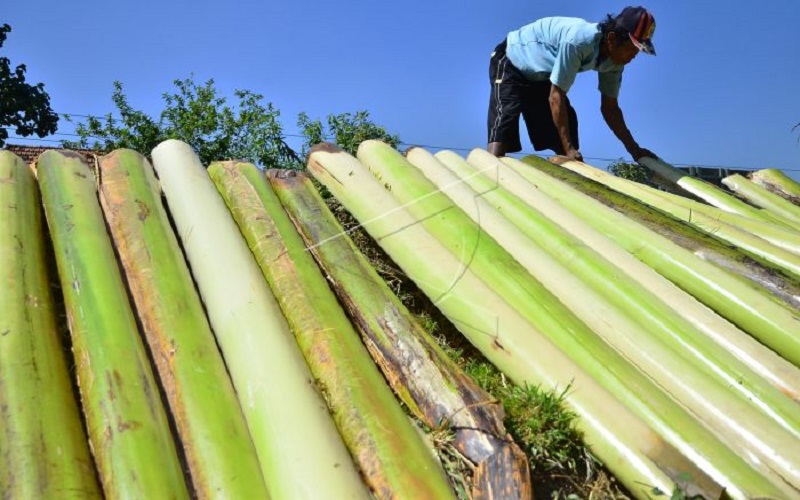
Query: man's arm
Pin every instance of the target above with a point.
(612, 114)
(558, 107)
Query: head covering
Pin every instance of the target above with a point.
(641, 25)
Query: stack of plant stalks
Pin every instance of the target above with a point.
(392, 458)
(211, 428)
(775, 243)
(128, 430)
(430, 384)
(620, 195)
(576, 256)
(231, 340)
(406, 214)
(164, 419)
(694, 261)
(293, 433)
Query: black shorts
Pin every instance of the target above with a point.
(512, 95)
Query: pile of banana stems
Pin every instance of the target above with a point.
(211, 358)
(683, 366)
(180, 330)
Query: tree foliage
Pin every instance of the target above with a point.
(347, 130)
(198, 115)
(23, 107)
(631, 171)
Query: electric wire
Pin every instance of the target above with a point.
(402, 143)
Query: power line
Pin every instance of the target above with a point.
(33, 139)
(54, 133)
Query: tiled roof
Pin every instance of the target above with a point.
(30, 153)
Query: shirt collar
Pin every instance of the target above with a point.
(598, 57)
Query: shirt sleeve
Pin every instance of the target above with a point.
(609, 83)
(566, 66)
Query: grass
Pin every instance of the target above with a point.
(537, 418)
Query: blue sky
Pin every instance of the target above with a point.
(723, 90)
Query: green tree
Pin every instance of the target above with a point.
(630, 171)
(196, 114)
(23, 107)
(346, 130)
(199, 116)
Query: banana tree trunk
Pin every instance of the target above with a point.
(300, 451)
(752, 242)
(781, 235)
(523, 338)
(216, 443)
(707, 191)
(128, 429)
(762, 197)
(427, 381)
(393, 459)
(777, 182)
(43, 448)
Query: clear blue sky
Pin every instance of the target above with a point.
(723, 90)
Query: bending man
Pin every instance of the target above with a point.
(532, 70)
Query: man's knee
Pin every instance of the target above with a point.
(497, 149)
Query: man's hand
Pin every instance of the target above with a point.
(574, 154)
(639, 152)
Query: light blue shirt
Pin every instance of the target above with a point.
(558, 48)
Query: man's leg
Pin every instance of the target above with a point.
(497, 148)
(538, 119)
(504, 105)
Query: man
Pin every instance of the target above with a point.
(533, 69)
